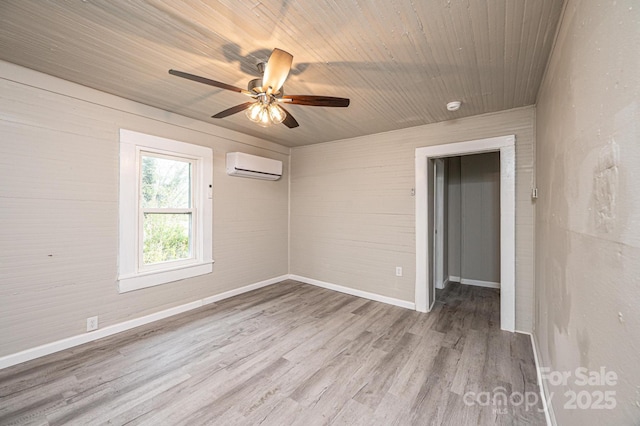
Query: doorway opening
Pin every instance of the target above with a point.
(429, 244)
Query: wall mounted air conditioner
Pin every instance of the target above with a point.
(252, 166)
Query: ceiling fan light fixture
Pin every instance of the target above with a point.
(253, 112)
(266, 111)
(276, 114)
(265, 120)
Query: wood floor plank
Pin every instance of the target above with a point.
(284, 408)
(459, 413)
(353, 414)
(430, 403)
(188, 397)
(288, 354)
(393, 333)
(385, 372)
(470, 367)
(408, 381)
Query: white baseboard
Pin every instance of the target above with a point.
(467, 281)
(245, 289)
(354, 292)
(544, 392)
(479, 283)
(69, 342)
(443, 284)
(446, 282)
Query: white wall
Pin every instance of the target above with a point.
(59, 210)
(588, 213)
(353, 216)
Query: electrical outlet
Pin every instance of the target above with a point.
(92, 323)
(398, 271)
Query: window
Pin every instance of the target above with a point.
(165, 211)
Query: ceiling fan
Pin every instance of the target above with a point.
(267, 93)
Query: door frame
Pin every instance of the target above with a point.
(424, 158)
(438, 222)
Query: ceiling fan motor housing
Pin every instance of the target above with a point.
(256, 83)
(255, 86)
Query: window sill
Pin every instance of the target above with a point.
(153, 278)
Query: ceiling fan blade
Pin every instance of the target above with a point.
(310, 100)
(233, 110)
(277, 70)
(289, 121)
(209, 82)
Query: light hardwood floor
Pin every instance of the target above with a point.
(289, 354)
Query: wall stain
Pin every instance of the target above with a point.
(605, 187)
(583, 344)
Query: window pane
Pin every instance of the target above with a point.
(166, 237)
(165, 183)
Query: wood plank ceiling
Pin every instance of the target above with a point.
(399, 61)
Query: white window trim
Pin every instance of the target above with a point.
(130, 275)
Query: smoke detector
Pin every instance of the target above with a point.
(454, 105)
